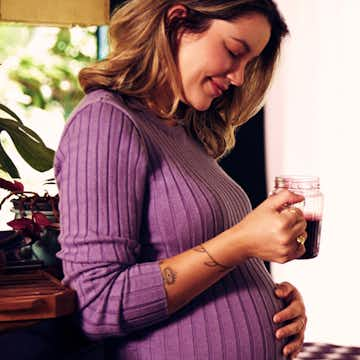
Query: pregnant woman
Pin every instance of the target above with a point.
(162, 247)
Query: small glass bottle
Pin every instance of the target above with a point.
(312, 207)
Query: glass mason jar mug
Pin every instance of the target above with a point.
(312, 207)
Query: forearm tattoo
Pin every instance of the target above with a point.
(169, 275)
(212, 262)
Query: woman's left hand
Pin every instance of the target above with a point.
(294, 315)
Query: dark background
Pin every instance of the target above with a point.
(246, 163)
(114, 3)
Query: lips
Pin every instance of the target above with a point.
(222, 87)
(218, 88)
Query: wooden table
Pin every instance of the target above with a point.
(30, 296)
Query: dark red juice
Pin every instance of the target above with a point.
(313, 229)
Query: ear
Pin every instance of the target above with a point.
(176, 11)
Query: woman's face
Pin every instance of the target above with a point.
(209, 62)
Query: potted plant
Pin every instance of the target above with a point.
(33, 240)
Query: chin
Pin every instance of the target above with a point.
(201, 105)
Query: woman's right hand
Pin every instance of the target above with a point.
(270, 230)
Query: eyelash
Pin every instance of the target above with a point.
(232, 54)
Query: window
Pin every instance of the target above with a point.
(38, 77)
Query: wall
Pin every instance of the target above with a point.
(313, 127)
(65, 12)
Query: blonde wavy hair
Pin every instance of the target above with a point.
(142, 65)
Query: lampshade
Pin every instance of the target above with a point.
(56, 12)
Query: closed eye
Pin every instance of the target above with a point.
(233, 55)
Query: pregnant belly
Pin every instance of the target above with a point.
(232, 320)
(251, 293)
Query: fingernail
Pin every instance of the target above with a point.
(276, 318)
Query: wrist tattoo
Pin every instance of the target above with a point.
(212, 262)
(169, 275)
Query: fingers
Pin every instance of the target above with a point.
(300, 251)
(294, 310)
(294, 317)
(295, 327)
(294, 222)
(292, 248)
(284, 289)
(294, 347)
(284, 199)
(293, 215)
(273, 230)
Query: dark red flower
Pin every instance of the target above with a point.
(41, 219)
(27, 227)
(21, 224)
(11, 186)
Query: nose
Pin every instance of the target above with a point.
(237, 75)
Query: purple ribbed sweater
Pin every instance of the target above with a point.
(134, 191)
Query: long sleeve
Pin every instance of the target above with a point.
(101, 168)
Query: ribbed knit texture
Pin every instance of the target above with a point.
(134, 191)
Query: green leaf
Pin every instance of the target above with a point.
(30, 132)
(29, 145)
(10, 112)
(7, 165)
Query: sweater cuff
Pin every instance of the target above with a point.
(146, 301)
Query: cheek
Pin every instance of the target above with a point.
(198, 59)
(192, 74)
(197, 63)
(196, 70)
(215, 64)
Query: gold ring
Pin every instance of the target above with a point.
(301, 239)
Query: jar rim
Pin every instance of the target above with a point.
(297, 180)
